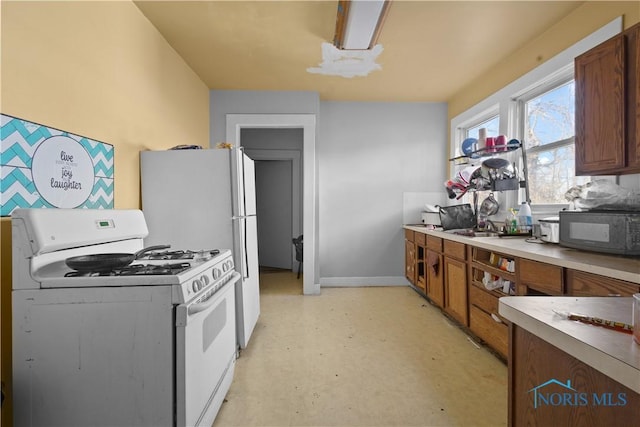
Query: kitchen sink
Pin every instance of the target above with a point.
(485, 234)
(468, 232)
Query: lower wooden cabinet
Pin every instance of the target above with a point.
(450, 274)
(410, 261)
(534, 362)
(455, 289)
(485, 322)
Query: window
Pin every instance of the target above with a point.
(537, 109)
(547, 130)
(492, 125)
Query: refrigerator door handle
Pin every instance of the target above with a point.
(244, 258)
(245, 253)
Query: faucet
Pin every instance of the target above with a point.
(490, 226)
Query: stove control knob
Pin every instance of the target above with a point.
(205, 280)
(196, 285)
(225, 267)
(216, 273)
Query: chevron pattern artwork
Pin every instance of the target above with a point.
(19, 140)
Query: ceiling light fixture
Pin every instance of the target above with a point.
(359, 23)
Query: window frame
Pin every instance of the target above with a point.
(561, 77)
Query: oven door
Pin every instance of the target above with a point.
(205, 355)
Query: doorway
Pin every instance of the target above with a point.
(291, 185)
(307, 122)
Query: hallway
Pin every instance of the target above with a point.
(368, 356)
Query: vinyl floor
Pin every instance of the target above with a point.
(365, 356)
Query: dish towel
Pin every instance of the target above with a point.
(433, 261)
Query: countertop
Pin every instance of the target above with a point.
(613, 353)
(617, 267)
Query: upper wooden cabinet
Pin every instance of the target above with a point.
(607, 107)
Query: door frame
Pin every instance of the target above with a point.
(236, 122)
(294, 157)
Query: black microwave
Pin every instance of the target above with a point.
(614, 232)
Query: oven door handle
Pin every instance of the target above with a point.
(202, 306)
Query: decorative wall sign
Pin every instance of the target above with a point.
(43, 167)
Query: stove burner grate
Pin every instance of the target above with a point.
(178, 254)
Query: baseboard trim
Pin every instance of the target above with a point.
(338, 282)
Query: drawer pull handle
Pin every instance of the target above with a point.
(614, 295)
(496, 318)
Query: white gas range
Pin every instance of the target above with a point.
(149, 342)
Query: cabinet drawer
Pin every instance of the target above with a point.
(455, 249)
(483, 300)
(584, 284)
(542, 277)
(409, 235)
(434, 243)
(495, 334)
(420, 238)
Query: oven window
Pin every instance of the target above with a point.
(213, 324)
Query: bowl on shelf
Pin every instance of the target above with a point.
(469, 146)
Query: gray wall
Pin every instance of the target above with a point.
(223, 102)
(272, 139)
(369, 155)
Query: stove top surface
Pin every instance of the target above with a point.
(154, 263)
(172, 267)
(188, 278)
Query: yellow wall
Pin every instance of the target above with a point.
(580, 23)
(101, 70)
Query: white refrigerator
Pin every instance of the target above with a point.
(205, 199)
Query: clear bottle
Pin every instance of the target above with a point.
(525, 222)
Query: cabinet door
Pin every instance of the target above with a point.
(455, 289)
(410, 261)
(600, 86)
(435, 276)
(633, 102)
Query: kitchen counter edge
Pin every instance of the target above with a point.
(613, 353)
(617, 267)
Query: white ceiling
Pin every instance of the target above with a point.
(430, 49)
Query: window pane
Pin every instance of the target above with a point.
(492, 125)
(550, 116)
(551, 174)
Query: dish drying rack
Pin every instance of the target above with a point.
(477, 182)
